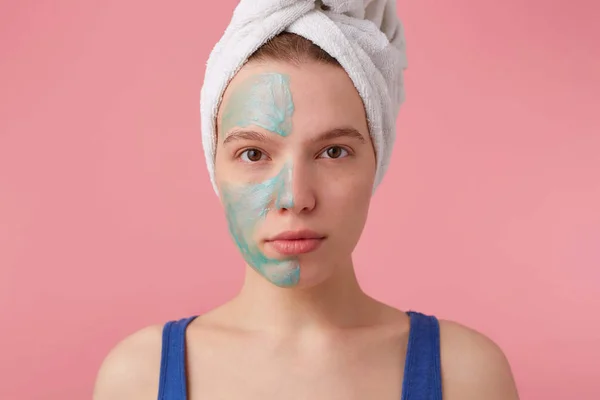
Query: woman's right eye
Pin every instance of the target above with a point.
(251, 155)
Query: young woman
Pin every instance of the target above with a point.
(295, 165)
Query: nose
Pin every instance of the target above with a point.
(296, 192)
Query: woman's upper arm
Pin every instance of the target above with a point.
(474, 367)
(131, 369)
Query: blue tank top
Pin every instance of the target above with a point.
(422, 369)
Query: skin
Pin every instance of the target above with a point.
(295, 184)
(300, 327)
(261, 102)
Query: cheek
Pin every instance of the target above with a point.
(247, 205)
(345, 219)
(348, 199)
(244, 204)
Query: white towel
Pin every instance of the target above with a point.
(365, 36)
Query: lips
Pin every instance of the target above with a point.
(297, 235)
(295, 242)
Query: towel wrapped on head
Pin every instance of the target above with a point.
(365, 36)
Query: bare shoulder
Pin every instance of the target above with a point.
(131, 369)
(474, 366)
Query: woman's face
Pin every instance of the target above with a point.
(294, 158)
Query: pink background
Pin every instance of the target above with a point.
(490, 214)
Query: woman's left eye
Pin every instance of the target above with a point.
(335, 152)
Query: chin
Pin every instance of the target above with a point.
(314, 273)
(301, 271)
(295, 273)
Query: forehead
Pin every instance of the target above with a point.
(323, 97)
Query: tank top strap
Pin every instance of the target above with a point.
(422, 370)
(173, 380)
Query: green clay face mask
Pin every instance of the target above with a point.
(263, 100)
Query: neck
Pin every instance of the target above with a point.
(336, 303)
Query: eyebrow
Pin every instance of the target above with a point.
(323, 137)
(339, 133)
(245, 135)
